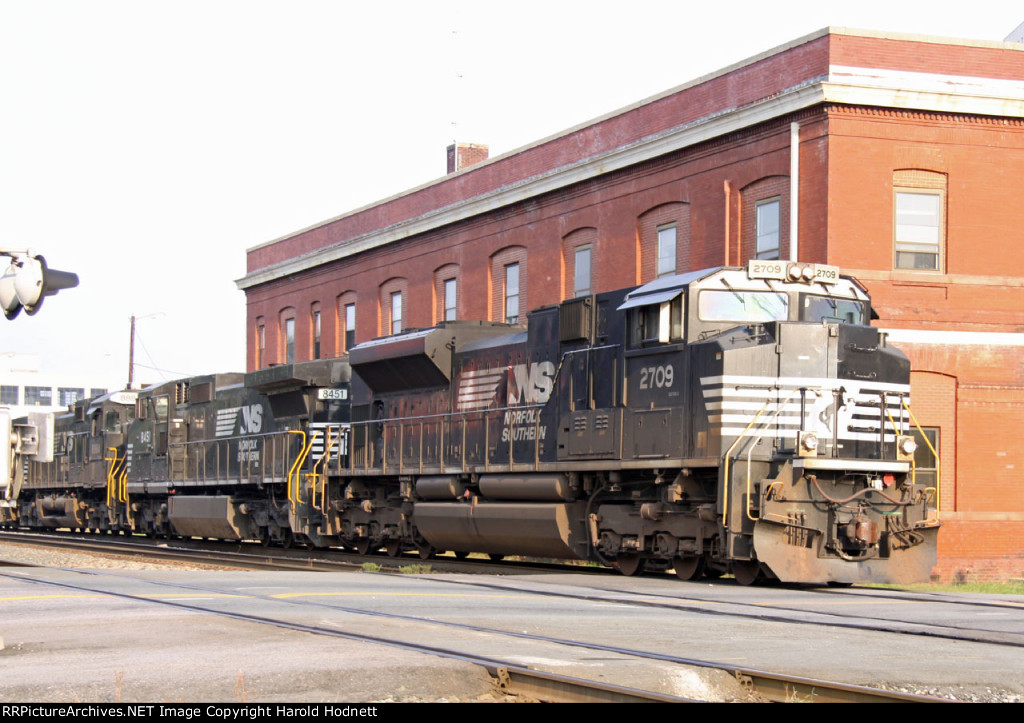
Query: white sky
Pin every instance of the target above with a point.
(146, 144)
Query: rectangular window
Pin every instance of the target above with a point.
(918, 230)
(350, 326)
(666, 250)
(38, 396)
(768, 229)
(581, 272)
(925, 467)
(512, 294)
(93, 393)
(8, 394)
(396, 312)
(450, 300)
(289, 341)
(316, 334)
(261, 345)
(69, 396)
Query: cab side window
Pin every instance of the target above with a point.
(657, 323)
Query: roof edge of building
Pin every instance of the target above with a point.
(509, 193)
(568, 131)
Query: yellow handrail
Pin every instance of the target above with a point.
(315, 474)
(938, 463)
(728, 453)
(750, 451)
(110, 473)
(123, 479)
(302, 461)
(294, 467)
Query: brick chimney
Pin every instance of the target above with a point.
(463, 155)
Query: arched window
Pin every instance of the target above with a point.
(508, 285)
(392, 305)
(664, 240)
(286, 336)
(446, 293)
(578, 257)
(919, 220)
(764, 226)
(345, 322)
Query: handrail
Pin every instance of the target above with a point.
(303, 456)
(294, 468)
(324, 461)
(750, 451)
(110, 473)
(725, 472)
(938, 463)
(123, 481)
(393, 432)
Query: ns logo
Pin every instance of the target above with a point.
(530, 383)
(252, 419)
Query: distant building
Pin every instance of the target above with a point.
(899, 159)
(24, 389)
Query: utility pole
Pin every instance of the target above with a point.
(131, 355)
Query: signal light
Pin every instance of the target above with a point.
(27, 281)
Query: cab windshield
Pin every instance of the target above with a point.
(736, 305)
(826, 308)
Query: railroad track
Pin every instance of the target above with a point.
(511, 677)
(255, 557)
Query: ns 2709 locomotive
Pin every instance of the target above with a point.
(742, 420)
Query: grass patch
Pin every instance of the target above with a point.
(371, 567)
(991, 588)
(416, 569)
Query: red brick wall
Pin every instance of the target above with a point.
(850, 158)
(623, 209)
(974, 394)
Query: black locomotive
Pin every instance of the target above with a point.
(743, 420)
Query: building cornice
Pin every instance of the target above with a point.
(843, 85)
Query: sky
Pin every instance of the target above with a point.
(146, 144)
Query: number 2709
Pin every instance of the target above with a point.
(656, 377)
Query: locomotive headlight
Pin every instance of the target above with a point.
(807, 273)
(906, 446)
(807, 444)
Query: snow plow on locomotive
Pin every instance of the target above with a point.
(732, 420)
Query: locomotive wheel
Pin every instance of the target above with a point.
(630, 564)
(689, 568)
(363, 546)
(393, 548)
(288, 541)
(747, 572)
(426, 551)
(265, 536)
(460, 555)
(495, 557)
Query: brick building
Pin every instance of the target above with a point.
(899, 159)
